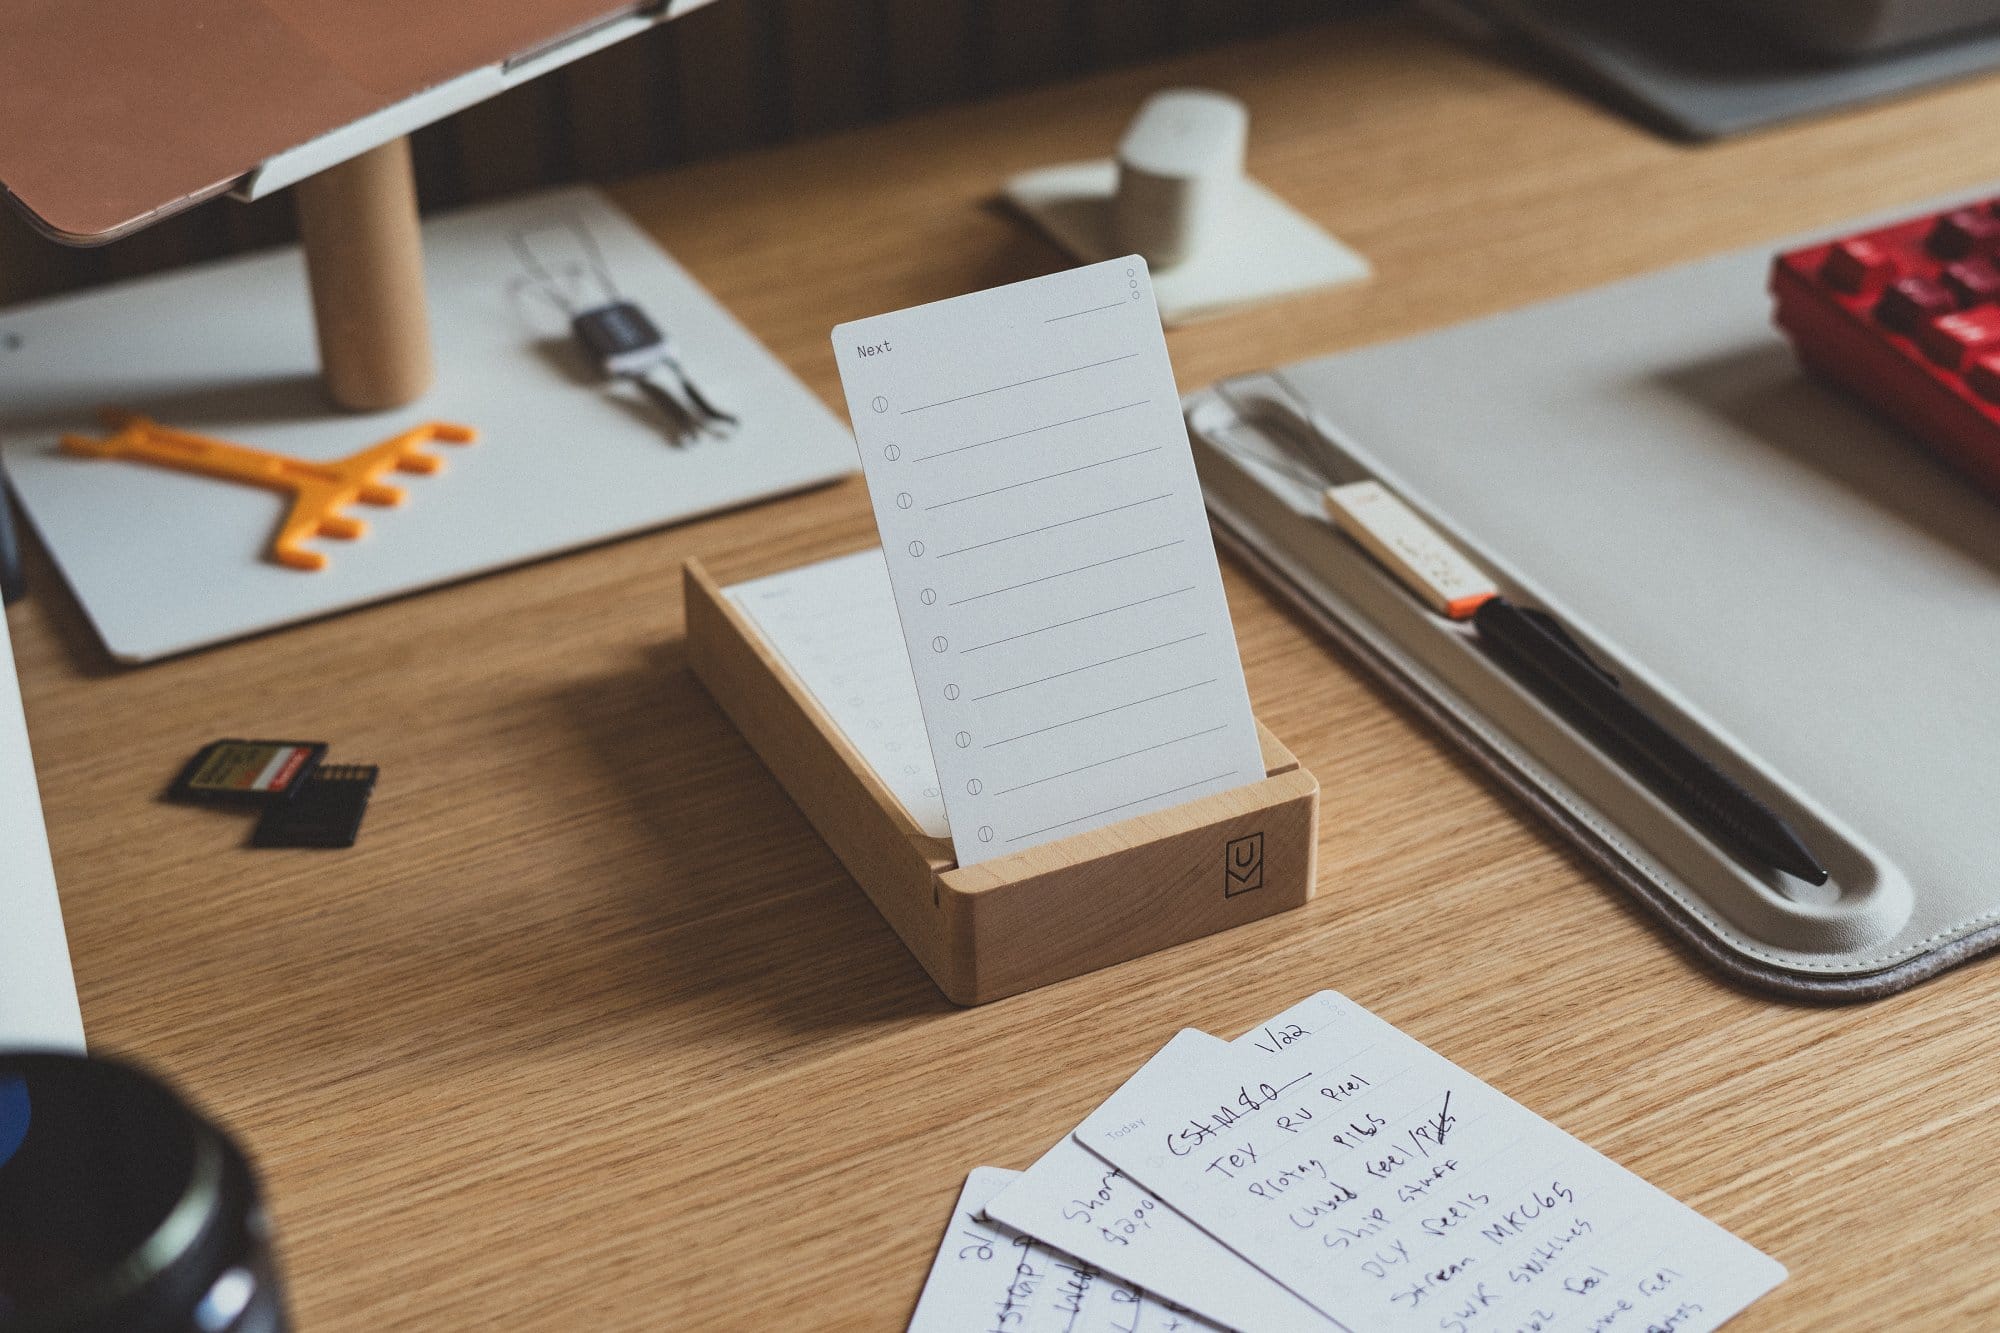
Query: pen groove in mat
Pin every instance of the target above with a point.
(1140, 800)
(1115, 708)
(1099, 763)
(1051, 476)
(1033, 379)
(1078, 620)
(1064, 573)
(1139, 652)
(1062, 523)
(1032, 430)
(1074, 313)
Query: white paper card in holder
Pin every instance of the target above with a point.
(834, 623)
(1050, 555)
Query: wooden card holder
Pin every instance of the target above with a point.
(1037, 916)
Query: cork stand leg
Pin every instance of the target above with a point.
(365, 264)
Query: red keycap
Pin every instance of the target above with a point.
(1965, 232)
(1973, 281)
(1984, 377)
(1906, 317)
(1908, 304)
(1949, 340)
(1858, 266)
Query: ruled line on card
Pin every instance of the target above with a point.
(1050, 527)
(1090, 666)
(1033, 379)
(1077, 620)
(1102, 712)
(1047, 476)
(1054, 319)
(1100, 763)
(1065, 573)
(1114, 809)
(1032, 430)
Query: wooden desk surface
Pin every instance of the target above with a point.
(592, 1031)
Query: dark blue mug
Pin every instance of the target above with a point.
(122, 1210)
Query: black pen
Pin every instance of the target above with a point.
(12, 583)
(1543, 656)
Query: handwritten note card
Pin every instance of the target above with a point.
(1050, 555)
(989, 1279)
(1076, 1200)
(1395, 1191)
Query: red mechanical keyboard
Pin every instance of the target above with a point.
(1907, 318)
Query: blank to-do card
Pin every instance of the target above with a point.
(1050, 556)
(834, 623)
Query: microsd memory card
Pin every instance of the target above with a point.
(239, 772)
(326, 813)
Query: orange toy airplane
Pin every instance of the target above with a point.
(319, 490)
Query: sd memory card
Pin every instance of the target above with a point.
(239, 772)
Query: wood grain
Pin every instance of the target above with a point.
(591, 1030)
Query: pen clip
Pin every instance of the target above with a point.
(1553, 628)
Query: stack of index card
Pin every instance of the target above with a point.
(1325, 1171)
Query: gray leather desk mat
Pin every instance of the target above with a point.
(1757, 559)
(1696, 74)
